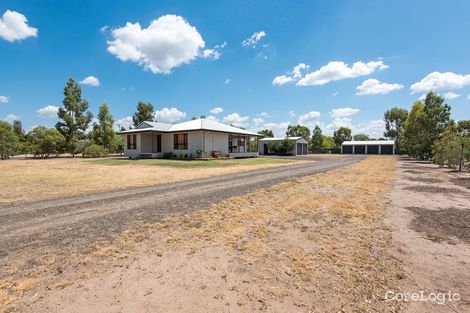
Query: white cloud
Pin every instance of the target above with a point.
(279, 129)
(215, 52)
(216, 110)
(91, 81)
(468, 98)
(293, 75)
(375, 87)
(14, 26)
(373, 128)
(212, 118)
(282, 80)
(104, 29)
(254, 39)
(4, 99)
(49, 111)
(125, 122)
(169, 41)
(309, 118)
(169, 115)
(337, 123)
(227, 81)
(264, 114)
(10, 118)
(338, 70)
(451, 95)
(236, 119)
(437, 80)
(291, 114)
(258, 121)
(343, 112)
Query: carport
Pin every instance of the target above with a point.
(368, 147)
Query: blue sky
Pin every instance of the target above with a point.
(353, 59)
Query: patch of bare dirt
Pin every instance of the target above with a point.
(429, 180)
(315, 244)
(462, 181)
(434, 189)
(414, 171)
(442, 225)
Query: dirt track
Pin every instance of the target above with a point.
(74, 221)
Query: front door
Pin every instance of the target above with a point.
(156, 143)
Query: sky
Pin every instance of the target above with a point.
(255, 64)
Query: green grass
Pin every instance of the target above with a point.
(190, 163)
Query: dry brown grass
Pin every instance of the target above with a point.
(318, 242)
(27, 180)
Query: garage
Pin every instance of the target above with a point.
(368, 147)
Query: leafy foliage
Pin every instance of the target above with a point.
(103, 133)
(7, 140)
(46, 141)
(266, 133)
(394, 124)
(316, 142)
(285, 147)
(95, 151)
(73, 116)
(361, 137)
(328, 143)
(145, 112)
(447, 150)
(298, 131)
(341, 135)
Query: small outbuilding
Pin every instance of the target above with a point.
(300, 147)
(368, 147)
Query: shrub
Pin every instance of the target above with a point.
(46, 141)
(95, 151)
(216, 154)
(169, 155)
(283, 148)
(7, 140)
(199, 152)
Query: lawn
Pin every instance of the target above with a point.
(192, 163)
(32, 179)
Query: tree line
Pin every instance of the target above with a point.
(74, 133)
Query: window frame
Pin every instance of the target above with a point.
(180, 141)
(132, 142)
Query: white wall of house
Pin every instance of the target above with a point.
(132, 153)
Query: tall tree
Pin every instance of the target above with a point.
(328, 143)
(103, 132)
(317, 139)
(266, 133)
(437, 119)
(394, 124)
(7, 140)
(73, 116)
(144, 113)
(415, 131)
(298, 131)
(361, 137)
(18, 128)
(341, 135)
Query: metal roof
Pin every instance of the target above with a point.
(193, 125)
(368, 143)
(280, 138)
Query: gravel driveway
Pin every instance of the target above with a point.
(75, 221)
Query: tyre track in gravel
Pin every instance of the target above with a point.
(75, 221)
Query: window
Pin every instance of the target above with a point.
(131, 142)
(180, 141)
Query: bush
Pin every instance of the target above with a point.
(46, 141)
(216, 154)
(169, 155)
(199, 152)
(285, 147)
(95, 151)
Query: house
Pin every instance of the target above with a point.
(368, 147)
(154, 139)
(300, 147)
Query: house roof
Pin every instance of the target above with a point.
(368, 143)
(192, 125)
(280, 138)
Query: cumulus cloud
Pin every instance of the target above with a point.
(91, 81)
(214, 53)
(10, 118)
(125, 122)
(373, 128)
(309, 118)
(216, 110)
(169, 41)
(49, 111)
(451, 95)
(212, 118)
(343, 112)
(437, 80)
(291, 76)
(254, 39)
(338, 70)
(14, 26)
(4, 99)
(291, 114)
(169, 115)
(375, 87)
(279, 129)
(236, 119)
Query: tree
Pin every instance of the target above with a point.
(18, 128)
(341, 135)
(414, 130)
(447, 149)
(298, 131)
(361, 137)
(463, 127)
(46, 141)
(7, 140)
(73, 116)
(267, 133)
(328, 143)
(317, 139)
(144, 113)
(284, 147)
(394, 124)
(103, 133)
